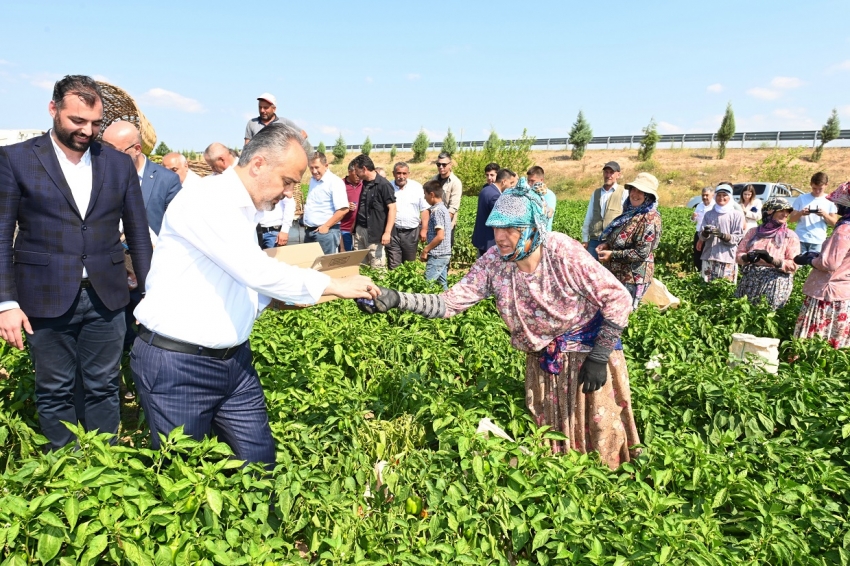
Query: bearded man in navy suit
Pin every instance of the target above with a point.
(63, 280)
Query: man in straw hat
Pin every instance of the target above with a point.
(64, 281)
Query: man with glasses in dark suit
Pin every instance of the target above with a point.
(64, 281)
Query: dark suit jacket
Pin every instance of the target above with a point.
(159, 186)
(42, 273)
(482, 235)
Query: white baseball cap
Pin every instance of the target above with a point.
(269, 97)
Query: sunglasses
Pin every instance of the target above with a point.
(443, 164)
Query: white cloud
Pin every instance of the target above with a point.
(843, 110)
(102, 79)
(763, 93)
(716, 87)
(668, 128)
(843, 66)
(44, 81)
(329, 130)
(371, 131)
(413, 76)
(4, 62)
(369, 80)
(786, 82)
(167, 99)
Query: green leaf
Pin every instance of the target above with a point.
(72, 510)
(215, 500)
(478, 468)
(49, 544)
(520, 536)
(541, 538)
(719, 498)
(96, 546)
(51, 519)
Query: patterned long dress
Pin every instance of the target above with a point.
(826, 308)
(632, 260)
(567, 291)
(763, 280)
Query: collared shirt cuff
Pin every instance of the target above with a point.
(315, 283)
(9, 305)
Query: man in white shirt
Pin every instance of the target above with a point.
(220, 157)
(208, 283)
(178, 163)
(274, 225)
(327, 203)
(699, 213)
(602, 208)
(813, 213)
(411, 217)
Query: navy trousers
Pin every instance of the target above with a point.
(206, 396)
(80, 350)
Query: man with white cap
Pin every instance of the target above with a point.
(268, 106)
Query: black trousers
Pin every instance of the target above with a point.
(402, 247)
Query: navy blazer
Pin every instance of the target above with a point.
(43, 270)
(482, 235)
(159, 186)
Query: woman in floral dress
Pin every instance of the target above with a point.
(766, 255)
(722, 229)
(826, 308)
(629, 241)
(562, 308)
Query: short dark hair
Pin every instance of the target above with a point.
(504, 174)
(820, 178)
(433, 187)
(271, 142)
(444, 155)
(491, 167)
(363, 161)
(83, 86)
(320, 156)
(535, 171)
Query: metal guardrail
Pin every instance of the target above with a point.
(743, 137)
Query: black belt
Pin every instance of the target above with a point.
(314, 228)
(163, 343)
(406, 229)
(267, 229)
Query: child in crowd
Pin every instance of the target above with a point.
(812, 213)
(437, 252)
(722, 229)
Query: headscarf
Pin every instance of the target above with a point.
(769, 227)
(521, 207)
(841, 198)
(630, 211)
(729, 206)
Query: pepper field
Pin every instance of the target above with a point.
(738, 466)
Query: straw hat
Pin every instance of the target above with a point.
(118, 105)
(645, 183)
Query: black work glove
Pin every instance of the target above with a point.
(806, 258)
(763, 255)
(706, 232)
(722, 236)
(388, 299)
(592, 375)
(752, 257)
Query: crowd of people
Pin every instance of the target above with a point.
(169, 266)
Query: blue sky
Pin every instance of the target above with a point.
(385, 69)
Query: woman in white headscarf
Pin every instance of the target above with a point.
(722, 229)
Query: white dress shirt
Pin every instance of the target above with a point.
(324, 198)
(281, 215)
(191, 179)
(409, 204)
(700, 211)
(603, 200)
(209, 280)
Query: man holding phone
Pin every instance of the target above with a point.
(812, 213)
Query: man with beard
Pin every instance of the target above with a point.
(64, 281)
(192, 361)
(267, 106)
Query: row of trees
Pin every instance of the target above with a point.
(581, 134)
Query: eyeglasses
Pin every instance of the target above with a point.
(441, 165)
(128, 147)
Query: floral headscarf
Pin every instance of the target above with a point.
(841, 197)
(522, 208)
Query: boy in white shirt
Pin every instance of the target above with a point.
(812, 213)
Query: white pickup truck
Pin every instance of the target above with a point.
(764, 191)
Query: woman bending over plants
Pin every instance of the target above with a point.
(766, 255)
(565, 310)
(826, 308)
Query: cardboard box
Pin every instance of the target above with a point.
(337, 266)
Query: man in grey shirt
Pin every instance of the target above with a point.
(268, 108)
